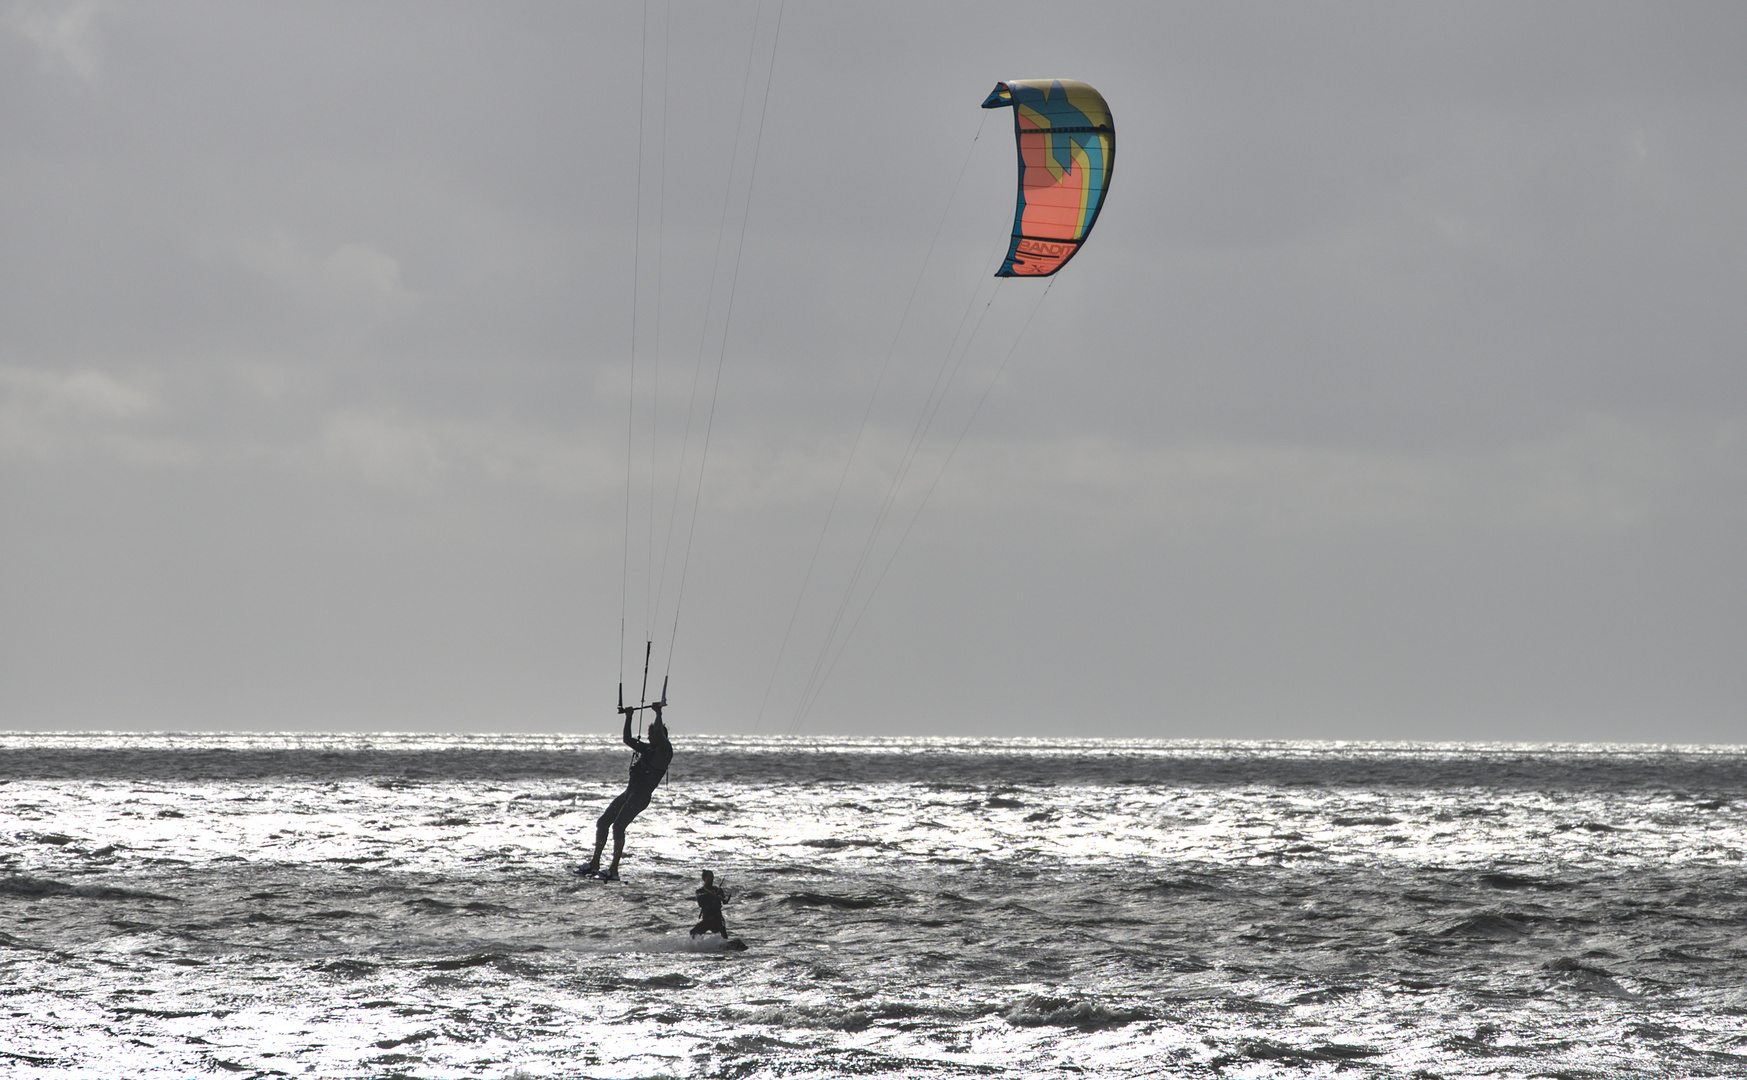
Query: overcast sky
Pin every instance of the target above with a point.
(1399, 393)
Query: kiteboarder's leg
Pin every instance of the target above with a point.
(628, 805)
(601, 826)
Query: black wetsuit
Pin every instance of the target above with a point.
(647, 769)
(710, 900)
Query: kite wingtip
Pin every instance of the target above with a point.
(999, 98)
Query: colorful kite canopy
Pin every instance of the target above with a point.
(1067, 146)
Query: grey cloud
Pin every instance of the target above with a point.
(1398, 393)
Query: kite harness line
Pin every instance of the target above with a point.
(1065, 141)
(664, 540)
(643, 697)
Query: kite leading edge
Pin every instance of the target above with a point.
(1067, 146)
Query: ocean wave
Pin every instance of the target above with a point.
(1082, 1013)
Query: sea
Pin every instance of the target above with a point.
(195, 905)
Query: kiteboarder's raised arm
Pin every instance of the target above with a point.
(631, 740)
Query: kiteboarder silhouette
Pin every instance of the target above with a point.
(710, 898)
(647, 768)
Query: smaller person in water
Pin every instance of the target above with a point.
(647, 768)
(710, 897)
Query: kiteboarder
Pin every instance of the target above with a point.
(647, 768)
(710, 897)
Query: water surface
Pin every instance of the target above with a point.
(402, 905)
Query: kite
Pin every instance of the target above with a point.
(1067, 146)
